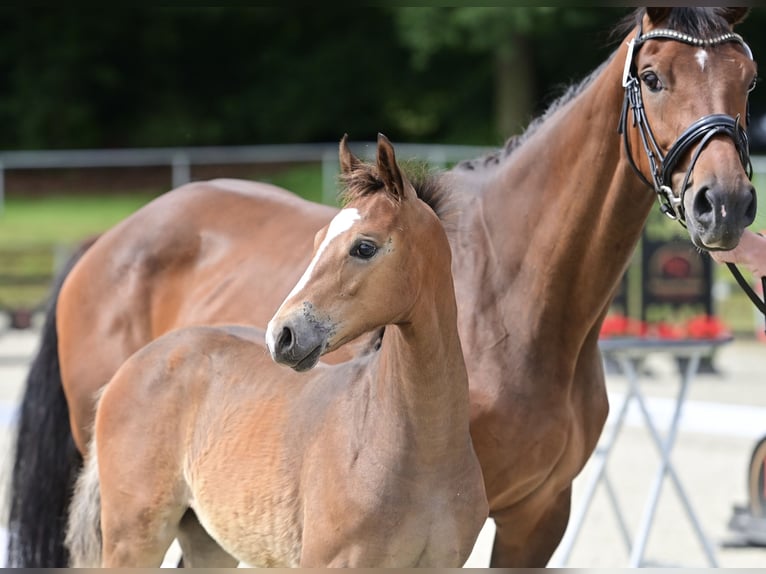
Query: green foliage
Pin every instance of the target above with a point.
(306, 181)
(67, 219)
(131, 77)
(134, 77)
(427, 30)
(37, 234)
(64, 219)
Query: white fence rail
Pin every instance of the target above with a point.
(181, 159)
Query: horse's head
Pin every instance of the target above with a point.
(369, 264)
(687, 79)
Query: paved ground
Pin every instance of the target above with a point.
(724, 415)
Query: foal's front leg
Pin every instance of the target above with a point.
(198, 547)
(136, 535)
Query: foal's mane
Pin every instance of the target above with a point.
(700, 22)
(363, 179)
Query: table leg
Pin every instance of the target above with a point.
(666, 468)
(626, 537)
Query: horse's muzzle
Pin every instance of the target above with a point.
(718, 217)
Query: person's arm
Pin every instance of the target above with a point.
(750, 253)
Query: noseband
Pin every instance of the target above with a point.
(699, 133)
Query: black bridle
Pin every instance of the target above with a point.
(698, 134)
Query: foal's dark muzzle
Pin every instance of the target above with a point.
(298, 344)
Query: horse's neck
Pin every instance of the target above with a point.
(421, 383)
(562, 215)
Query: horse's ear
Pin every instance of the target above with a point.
(348, 161)
(388, 169)
(657, 15)
(734, 15)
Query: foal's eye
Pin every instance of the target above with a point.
(364, 250)
(651, 81)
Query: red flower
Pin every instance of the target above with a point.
(614, 326)
(705, 327)
(621, 326)
(699, 327)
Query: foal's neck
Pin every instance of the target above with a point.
(422, 380)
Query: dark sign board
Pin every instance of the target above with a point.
(676, 280)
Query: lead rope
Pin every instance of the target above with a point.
(759, 303)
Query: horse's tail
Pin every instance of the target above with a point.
(46, 459)
(83, 536)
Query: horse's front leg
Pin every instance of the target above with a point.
(527, 535)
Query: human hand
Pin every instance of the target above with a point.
(750, 253)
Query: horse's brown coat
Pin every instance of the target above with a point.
(542, 238)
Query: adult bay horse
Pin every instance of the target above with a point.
(364, 464)
(544, 230)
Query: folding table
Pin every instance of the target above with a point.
(630, 354)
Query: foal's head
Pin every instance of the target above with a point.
(371, 264)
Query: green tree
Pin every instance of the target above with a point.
(517, 39)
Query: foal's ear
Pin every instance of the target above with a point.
(348, 161)
(389, 170)
(733, 15)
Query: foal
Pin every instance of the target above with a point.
(365, 464)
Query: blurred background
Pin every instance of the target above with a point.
(104, 109)
(150, 98)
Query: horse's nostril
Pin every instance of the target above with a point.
(702, 203)
(285, 340)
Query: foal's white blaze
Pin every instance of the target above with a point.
(701, 56)
(340, 224)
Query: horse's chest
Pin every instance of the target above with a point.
(531, 430)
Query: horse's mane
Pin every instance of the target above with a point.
(494, 158)
(700, 22)
(363, 179)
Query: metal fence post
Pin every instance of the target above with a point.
(330, 170)
(2, 188)
(181, 169)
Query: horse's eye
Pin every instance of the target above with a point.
(364, 250)
(651, 81)
(752, 84)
